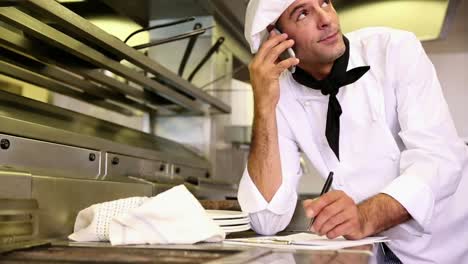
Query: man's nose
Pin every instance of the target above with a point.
(324, 19)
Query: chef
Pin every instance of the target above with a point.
(366, 106)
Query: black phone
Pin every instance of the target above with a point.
(289, 53)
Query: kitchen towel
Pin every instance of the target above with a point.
(92, 223)
(172, 217)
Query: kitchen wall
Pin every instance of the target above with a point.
(450, 58)
(422, 17)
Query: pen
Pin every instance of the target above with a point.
(262, 241)
(325, 189)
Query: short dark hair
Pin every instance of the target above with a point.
(278, 26)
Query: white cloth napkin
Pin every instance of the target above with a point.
(172, 217)
(92, 223)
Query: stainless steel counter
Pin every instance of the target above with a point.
(71, 252)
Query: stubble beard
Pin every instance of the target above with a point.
(327, 58)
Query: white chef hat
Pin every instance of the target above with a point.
(260, 14)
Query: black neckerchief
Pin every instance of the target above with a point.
(337, 78)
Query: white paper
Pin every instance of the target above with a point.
(306, 241)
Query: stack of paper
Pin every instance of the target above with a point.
(308, 241)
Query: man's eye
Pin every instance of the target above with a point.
(302, 15)
(325, 3)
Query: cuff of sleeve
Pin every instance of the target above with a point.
(252, 201)
(416, 197)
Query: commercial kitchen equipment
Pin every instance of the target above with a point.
(55, 162)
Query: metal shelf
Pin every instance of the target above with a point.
(74, 45)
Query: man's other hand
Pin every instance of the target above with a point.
(336, 214)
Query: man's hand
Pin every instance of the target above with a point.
(265, 70)
(336, 214)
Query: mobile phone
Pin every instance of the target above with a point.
(289, 53)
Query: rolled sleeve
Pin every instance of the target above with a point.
(252, 201)
(267, 218)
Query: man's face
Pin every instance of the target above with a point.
(315, 28)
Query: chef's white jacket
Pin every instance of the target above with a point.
(397, 137)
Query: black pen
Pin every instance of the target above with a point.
(325, 189)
